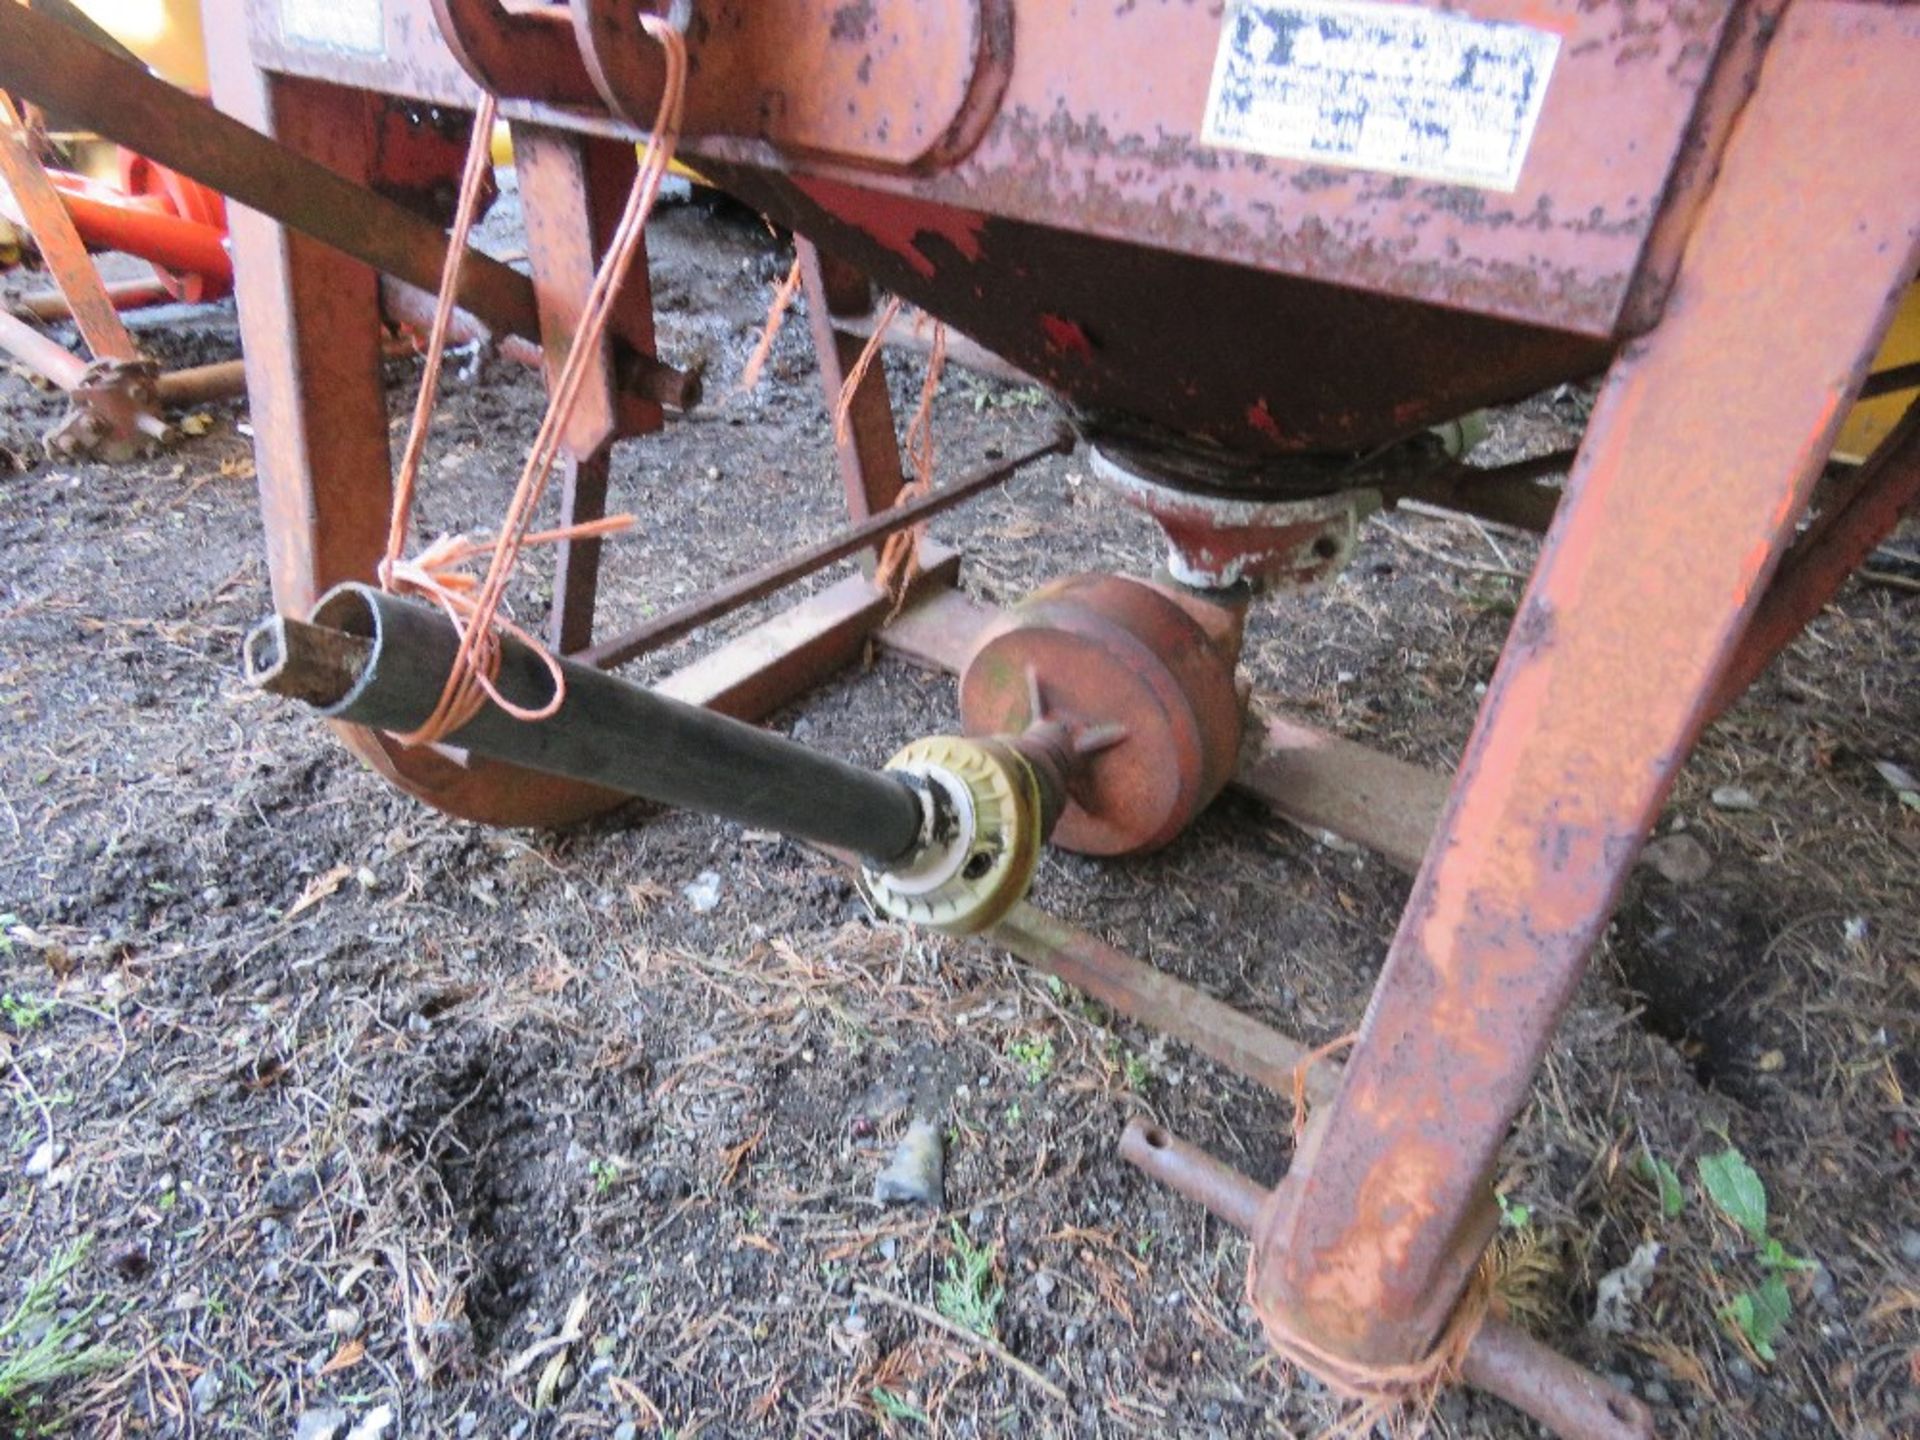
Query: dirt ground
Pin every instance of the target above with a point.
(374, 1119)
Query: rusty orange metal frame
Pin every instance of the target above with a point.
(59, 240)
(1727, 246)
(1692, 478)
(1698, 462)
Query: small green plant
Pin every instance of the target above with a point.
(1773, 1256)
(35, 1348)
(1014, 1116)
(995, 396)
(1665, 1179)
(1738, 1192)
(1760, 1314)
(1034, 1054)
(969, 1295)
(1733, 1186)
(1136, 1070)
(605, 1174)
(896, 1407)
(1513, 1215)
(23, 1012)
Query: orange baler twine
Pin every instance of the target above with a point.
(437, 573)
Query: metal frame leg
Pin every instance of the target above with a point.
(1886, 487)
(60, 244)
(310, 326)
(571, 190)
(870, 457)
(1700, 457)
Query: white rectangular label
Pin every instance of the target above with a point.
(1397, 88)
(353, 25)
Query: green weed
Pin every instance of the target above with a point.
(1664, 1178)
(23, 1012)
(896, 1407)
(1513, 1214)
(36, 1348)
(1034, 1054)
(1760, 1314)
(969, 1296)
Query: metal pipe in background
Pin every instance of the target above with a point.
(409, 305)
(1502, 1359)
(44, 356)
(378, 660)
(43, 61)
(50, 306)
(202, 384)
(743, 590)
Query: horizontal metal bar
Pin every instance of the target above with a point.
(1321, 782)
(1156, 999)
(1505, 494)
(773, 663)
(758, 584)
(1186, 1169)
(199, 384)
(49, 306)
(46, 357)
(1501, 1359)
(1888, 382)
(606, 731)
(409, 305)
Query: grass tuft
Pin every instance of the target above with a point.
(969, 1296)
(36, 1343)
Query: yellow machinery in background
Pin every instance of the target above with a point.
(1870, 421)
(166, 34)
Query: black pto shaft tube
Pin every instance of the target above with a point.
(378, 660)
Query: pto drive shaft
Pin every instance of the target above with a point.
(950, 839)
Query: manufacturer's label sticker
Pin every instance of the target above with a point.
(1396, 88)
(352, 25)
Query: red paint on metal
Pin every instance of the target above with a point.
(1260, 417)
(52, 229)
(1864, 511)
(1065, 337)
(1571, 1401)
(817, 78)
(1101, 121)
(899, 229)
(868, 452)
(191, 253)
